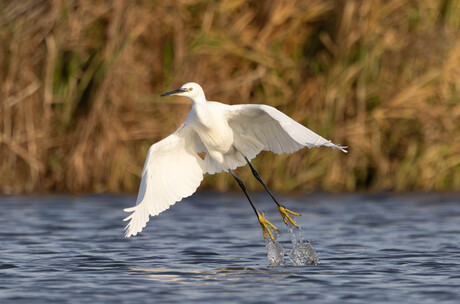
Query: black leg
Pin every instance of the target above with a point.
(264, 223)
(284, 212)
(243, 187)
(257, 176)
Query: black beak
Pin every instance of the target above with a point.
(174, 92)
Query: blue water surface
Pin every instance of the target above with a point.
(209, 248)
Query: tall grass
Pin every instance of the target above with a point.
(80, 84)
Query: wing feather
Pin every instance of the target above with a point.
(275, 130)
(172, 171)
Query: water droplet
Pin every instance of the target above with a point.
(302, 253)
(275, 252)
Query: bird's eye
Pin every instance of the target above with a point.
(189, 89)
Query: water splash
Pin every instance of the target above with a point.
(275, 252)
(302, 253)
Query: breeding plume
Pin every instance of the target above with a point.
(230, 135)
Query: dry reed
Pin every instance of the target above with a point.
(80, 84)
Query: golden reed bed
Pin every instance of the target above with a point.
(80, 84)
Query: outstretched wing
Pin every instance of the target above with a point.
(276, 131)
(172, 170)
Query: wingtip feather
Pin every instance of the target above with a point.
(343, 148)
(128, 217)
(128, 234)
(131, 209)
(332, 145)
(137, 220)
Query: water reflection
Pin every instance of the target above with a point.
(205, 276)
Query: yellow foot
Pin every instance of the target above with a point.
(285, 214)
(265, 223)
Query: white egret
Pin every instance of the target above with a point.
(230, 135)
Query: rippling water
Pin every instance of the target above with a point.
(209, 248)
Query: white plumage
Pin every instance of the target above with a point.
(227, 133)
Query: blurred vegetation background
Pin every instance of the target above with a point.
(80, 82)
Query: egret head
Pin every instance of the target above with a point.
(191, 90)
